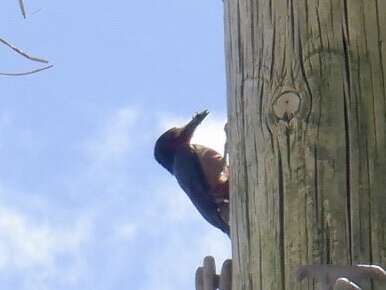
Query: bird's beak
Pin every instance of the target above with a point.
(189, 128)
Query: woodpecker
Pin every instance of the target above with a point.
(200, 171)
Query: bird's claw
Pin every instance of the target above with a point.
(345, 284)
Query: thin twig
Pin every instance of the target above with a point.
(26, 73)
(19, 51)
(22, 8)
(36, 11)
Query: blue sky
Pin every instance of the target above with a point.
(83, 205)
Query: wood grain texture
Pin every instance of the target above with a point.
(306, 188)
(225, 282)
(209, 273)
(199, 278)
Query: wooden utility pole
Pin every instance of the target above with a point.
(306, 90)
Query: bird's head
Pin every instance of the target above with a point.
(168, 142)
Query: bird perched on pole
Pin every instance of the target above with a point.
(200, 171)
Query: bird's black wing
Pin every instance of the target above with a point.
(190, 176)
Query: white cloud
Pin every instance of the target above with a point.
(114, 140)
(126, 231)
(40, 254)
(183, 238)
(210, 133)
(26, 244)
(174, 266)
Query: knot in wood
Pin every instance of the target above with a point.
(286, 106)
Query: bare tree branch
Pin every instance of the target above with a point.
(22, 8)
(19, 51)
(22, 53)
(26, 73)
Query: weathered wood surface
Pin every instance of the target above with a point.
(332, 277)
(207, 279)
(225, 282)
(306, 93)
(199, 278)
(209, 273)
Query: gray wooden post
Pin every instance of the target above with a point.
(199, 278)
(226, 276)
